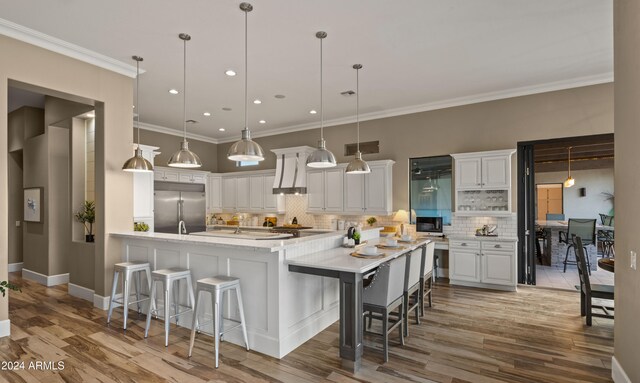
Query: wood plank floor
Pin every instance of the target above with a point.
(470, 335)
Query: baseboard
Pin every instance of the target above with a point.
(617, 373)
(102, 303)
(80, 292)
(488, 286)
(13, 267)
(5, 328)
(47, 280)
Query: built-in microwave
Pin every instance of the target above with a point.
(431, 225)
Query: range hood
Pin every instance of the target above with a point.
(291, 172)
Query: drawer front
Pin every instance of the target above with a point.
(498, 245)
(464, 244)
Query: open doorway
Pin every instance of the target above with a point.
(563, 181)
(51, 170)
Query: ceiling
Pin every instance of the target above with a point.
(587, 152)
(417, 54)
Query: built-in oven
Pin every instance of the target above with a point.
(431, 225)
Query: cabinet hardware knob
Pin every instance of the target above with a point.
(497, 246)
(463, 244)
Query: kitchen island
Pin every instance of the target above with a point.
(282, 309)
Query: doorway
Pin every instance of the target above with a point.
(546, 200)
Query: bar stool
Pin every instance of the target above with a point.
(128, 270)
(169, 277)
(217, 286)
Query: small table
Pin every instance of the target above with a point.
(607, 264)
(337, 263)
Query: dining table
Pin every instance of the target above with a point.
(607, 264)
(339, 263)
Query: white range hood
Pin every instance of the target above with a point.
(291, 170)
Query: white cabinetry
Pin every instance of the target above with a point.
(180, 175)
(483, 183)
(250, 192)
(214, 194)
(143, 190)
(166, 174)
(483, 263)
(334, 191)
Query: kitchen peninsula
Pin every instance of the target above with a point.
(282, 309)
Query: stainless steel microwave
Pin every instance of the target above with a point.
(429, 224)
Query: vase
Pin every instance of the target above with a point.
(89, 237)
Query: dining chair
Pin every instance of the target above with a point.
(589, 291)
(412, 285)
(606, 237)
(583, 228)
(382, 296)
(555, 217)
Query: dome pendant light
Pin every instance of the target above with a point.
(246, 149)
(137, 163)
(569, 182)
(358, 165)
(184, 158)
(321, 157)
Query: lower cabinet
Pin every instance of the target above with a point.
(482, 263)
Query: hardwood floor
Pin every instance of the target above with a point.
(470, 335)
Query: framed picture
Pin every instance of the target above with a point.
(33, 204)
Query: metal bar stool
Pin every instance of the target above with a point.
(128, 270)
(169, 277)
(217, 286)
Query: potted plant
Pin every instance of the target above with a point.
(372, 221)
(6, 285)
(356, 238)
(87, 216)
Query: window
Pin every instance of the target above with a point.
(246, 163)
(430, 187)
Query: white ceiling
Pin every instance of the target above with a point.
(417, 54)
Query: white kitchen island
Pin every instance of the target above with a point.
(282, 309)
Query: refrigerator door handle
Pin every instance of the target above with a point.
(180, 202)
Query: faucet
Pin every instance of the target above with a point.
(182, 228)
(237, 229)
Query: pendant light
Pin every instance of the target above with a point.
(569, 182)
(137, 163)
(184, 158)
(321, 157)
(358, 165)
(246, 149)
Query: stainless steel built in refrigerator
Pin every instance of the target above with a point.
(175, 202)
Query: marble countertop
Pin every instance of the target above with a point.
(338, 259)
(499, 238)
(246, 244)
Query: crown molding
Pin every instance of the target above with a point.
(175, 132)
(460, 101)
(54, 44)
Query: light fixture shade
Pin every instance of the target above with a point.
(321, 157)
(137, 163)
(401, 216)
(357, 165)
(246, 149)
(184, 158)
(569, 182)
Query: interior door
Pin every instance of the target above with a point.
(526, 215)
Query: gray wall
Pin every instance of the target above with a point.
(36, 234)
(168, 144)
(627, 163)
(484, 126)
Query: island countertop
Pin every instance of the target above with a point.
(246, 244)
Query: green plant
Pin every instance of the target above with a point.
(372, 221)
(87, 215)
(6, 285)
(356, 236)
(140, 226)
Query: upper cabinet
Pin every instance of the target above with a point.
(333, 191)
(250, 192)
(214, 193)
(483, 183)
(179, 175)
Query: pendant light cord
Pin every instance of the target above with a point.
(138, 100)
(358, 109)
(184, 96)
(321, 98)
(569, 162)
(246, 69)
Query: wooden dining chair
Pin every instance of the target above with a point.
(589, 291)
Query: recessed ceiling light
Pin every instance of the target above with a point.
(226, 109)
(312, 111)
(134, 106)
(262, 121)
(173, 91)
(256, 101)
(280, 96)
(222, 129)
(230, 73)
(207, 114)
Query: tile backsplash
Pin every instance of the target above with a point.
(297, 207)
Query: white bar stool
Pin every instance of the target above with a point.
(168, 277)
(217, 286)
(128, 270)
